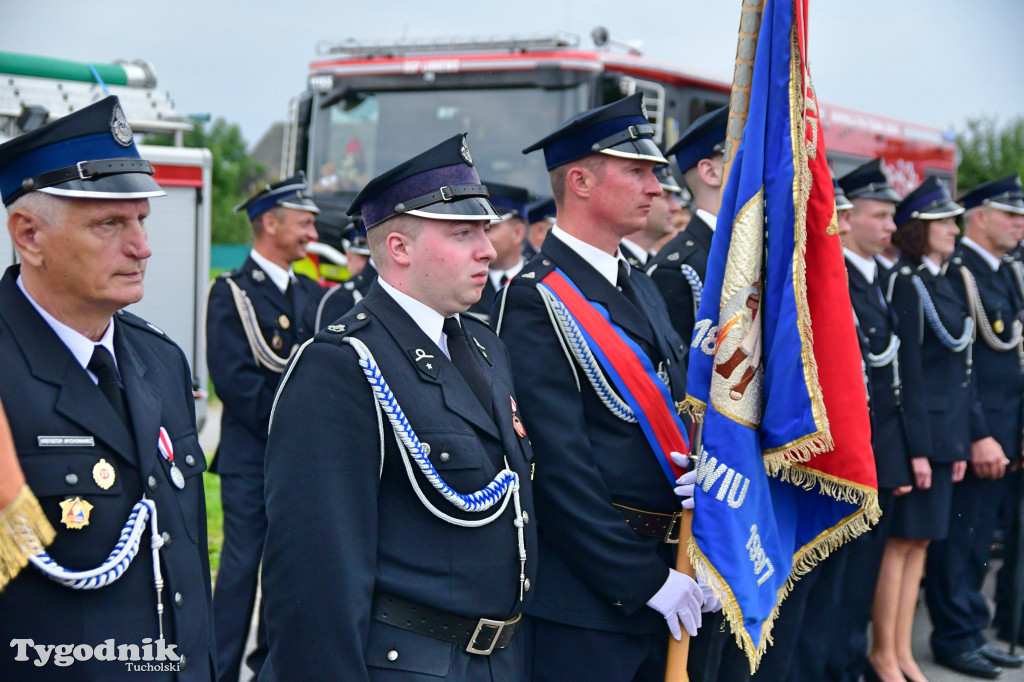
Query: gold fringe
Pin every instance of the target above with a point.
(24, 531)
(693, 407)
(804, 560)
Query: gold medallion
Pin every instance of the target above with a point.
(104, 475)
(998, 326)
(75, 512)
(276, 341)
(284, 322)
(517, 424)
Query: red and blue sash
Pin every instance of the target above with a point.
(630, 370)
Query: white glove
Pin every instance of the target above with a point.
(685, 483)
(679, 601)
(711, 602)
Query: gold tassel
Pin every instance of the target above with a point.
(24, 531)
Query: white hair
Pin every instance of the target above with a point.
(50, 208)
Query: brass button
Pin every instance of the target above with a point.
(392, 655)
(445, 457)
(71, 479)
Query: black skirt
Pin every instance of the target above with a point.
(924, 514)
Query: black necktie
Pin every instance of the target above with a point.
(626, 287)
(102, 365)
(462, 358)
(503, 281)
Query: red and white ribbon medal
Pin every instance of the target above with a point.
(167, 451)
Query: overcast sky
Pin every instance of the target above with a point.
(935, 62)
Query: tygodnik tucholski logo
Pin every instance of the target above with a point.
(150, 656)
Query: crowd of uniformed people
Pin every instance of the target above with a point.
(425, 471)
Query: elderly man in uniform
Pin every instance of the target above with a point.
(340, 299)
(606, 588)
(402, 540)
(256, 316)
(957, 565)
(507, 235)
(641, 246)
(102, 415)
(680, 266)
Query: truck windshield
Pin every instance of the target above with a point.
(367, 133)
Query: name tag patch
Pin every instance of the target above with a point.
(65, 441)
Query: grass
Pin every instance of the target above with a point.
(214, 517)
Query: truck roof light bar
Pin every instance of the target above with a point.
(512, 43)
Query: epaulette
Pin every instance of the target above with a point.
(534, 271)
(353, 320)
(136, 321)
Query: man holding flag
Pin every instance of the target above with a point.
(785, 474)
(598, 370)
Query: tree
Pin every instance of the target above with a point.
(234, 175)
(989, 151)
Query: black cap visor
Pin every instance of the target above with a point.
(642, 148)
(120, 186)
(876, 192)
(468, 208)
(939, 210)
(300, 204)
(1010, 205)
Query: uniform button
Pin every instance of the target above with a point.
(392, 655)
(871, 330)
(445, 457)
(71, 479)
(526, 585)
(178, 599)
(190, 460)
(526, 517)
(152, 482)
(166, 538)
(426, 448)
(362, 316)
(181, 662)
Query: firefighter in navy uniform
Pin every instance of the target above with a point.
(256, 316)
(606, 584)
(508, 237)
(340, 299)
(956, 566)
(410, 557)
(101, 411)
(680, 266)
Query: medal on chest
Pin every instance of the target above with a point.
(167, 452)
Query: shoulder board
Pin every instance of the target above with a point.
(134, 320)
(534, 271)
(352, 321)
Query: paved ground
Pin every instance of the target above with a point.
(922, 625)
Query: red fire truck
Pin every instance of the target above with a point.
(368, 106)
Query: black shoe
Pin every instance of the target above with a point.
(971, 663)
(1001, 658)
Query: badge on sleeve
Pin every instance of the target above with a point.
(104, 475)
(167, 452)
(75, 512)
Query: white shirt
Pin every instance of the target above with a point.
(639, 251)
(81, 346)
(496, 275)
(886, 262)
(278, 275)
(933, 268)
(605, 264)
(425, 317)
(711, 220)
(867, 266)
(992, 260)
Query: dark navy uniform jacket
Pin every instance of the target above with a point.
(340, 299)
(947, 391)
(690, 247)
(1000, 383)
(245, 387)
(889, 438)
(595, 571)
(46, 392)
(340, 528)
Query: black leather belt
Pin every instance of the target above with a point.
(477, 636)
(665, 527)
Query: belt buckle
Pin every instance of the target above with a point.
(83, 172)
(673, 528)
(498, 626)
(446, 195)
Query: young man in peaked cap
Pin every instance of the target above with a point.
(607, 596)
(102, 415)
(402, 540)
(256, 315)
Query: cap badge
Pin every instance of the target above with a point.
(258, 275)
(75, 512)
(464, 150)
(119, 127)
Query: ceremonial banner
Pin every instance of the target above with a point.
(786, 472)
